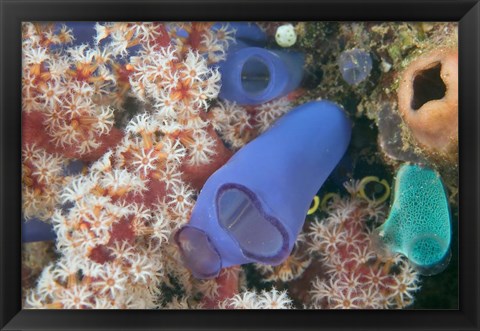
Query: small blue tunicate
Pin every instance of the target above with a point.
(355, 65)
(255, 75)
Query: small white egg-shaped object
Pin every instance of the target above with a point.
(286, 35)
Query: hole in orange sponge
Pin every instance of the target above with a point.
(427, 86)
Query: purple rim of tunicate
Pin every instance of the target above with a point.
(208, 251)
(274, 222)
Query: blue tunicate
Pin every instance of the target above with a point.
(84, 32)
(355, 65)
(254, 75)
(246, 32)
(419, 224)
(36, 230)
(252, 208)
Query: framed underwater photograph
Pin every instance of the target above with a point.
(202, 165)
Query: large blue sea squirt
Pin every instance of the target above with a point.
(252, 209)
(419, 224)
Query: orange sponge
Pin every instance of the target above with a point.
(428, 99)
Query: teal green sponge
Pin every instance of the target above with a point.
(419, 224)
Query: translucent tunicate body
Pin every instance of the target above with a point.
(355, 65)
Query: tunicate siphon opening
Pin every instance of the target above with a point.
(255, 75)
(428, 85)
(429, 254)
(254, 231)
(198, 254)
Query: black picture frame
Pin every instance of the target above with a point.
(13, 12)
